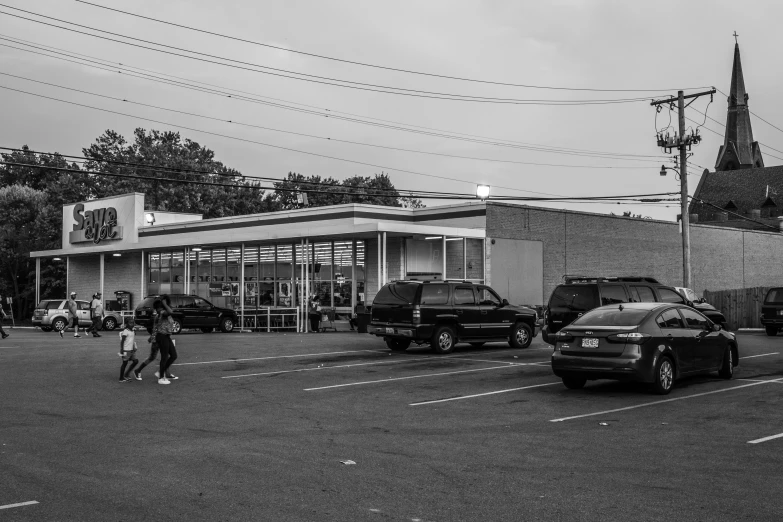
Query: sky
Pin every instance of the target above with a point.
(655, 47)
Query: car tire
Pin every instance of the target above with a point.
(109, 324)
(397, 345)
(521, 336)
(574, 383)
(443, 340)
(772, 331)
(477, 345)
(59, 324)
(176, 327)
(226, 325)
(207, 330)
(664, 376)
(46, 328)
(727, 370)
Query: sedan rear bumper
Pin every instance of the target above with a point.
(624, 367)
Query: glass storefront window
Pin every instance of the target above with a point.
(251, 276)
(455, 258)
(165, 269)
(177, 272)
(283, 272)
(360, 272)
(475, 259)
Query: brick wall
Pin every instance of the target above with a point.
(595, 244)
(84, 276)
(120, 273)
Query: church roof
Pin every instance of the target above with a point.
(748, 189)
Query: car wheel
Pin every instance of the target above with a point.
(727, 370)
(226, 325)
(207, 330)
(109, 324)
(772, 331)
(664, 376)
(443, 340)
(397, 345)
(521, 336)
(176, 327)
(477, 345)
(59, 324)
(46, 328)
(574, 383)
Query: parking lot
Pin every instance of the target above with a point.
(336, 427)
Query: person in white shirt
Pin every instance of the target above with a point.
(96, 314)
(128, 350)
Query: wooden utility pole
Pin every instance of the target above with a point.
(683, 143)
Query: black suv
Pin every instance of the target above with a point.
(772, 311)
(581, 294)
(189, 311)
(443, 313)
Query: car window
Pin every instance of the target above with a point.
(46, 305)
(669, 319)
(201, 303)
(487, 297)
(646, 294)
(694, 319)
(611, 294)
(397, 293)
(612, 317)
(774, 296)
(670, 296)
(574, 297)
(83, 305)
(464, 295)
(435, 294)
(187, 301)
(147, 303)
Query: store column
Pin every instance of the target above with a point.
(102, 271)
(37, 280)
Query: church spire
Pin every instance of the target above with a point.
(739, 151)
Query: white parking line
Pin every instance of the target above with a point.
(760, 355)
(765, 439)
(20, 504)
(663, 401)
(276, 357)
(482, 394)
(761, 380)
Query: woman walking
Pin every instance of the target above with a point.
(168, 353)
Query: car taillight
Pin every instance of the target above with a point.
(632, 338)
(416, 315)
(563, 337)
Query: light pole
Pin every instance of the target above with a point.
(685, 221)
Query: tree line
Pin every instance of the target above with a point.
(31, 198)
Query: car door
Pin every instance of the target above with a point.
(680, 338)
(208, 314)
(83, 311)
(467, 311)
(187, 311)
(709, 345)
(492, 314)
(434, 304)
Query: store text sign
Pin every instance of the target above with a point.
(94, 225)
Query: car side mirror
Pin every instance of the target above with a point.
(504, 302)
(716, 328)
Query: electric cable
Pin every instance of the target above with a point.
(776, 229)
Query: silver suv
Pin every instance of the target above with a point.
(52, 314)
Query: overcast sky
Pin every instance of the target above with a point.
(570, 43)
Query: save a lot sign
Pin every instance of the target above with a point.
(94, 225)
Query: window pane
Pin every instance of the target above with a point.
(464, 296)
(266, 268)
(669, 319)
(645, 294)
(475, 257)
(694, 319)
(232, 264)
(612, 317)
(670, 296)
(218, 265)
(611, 294)
(577, 298)
(455, 252)
(488, 298)
(178, 267)
(435, 294)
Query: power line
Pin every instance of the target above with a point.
(326, 112)
(776, 229)
(309, 77)
(261, 127)
(724, 126)
(722, 135)
(757, 116)
(376, 66)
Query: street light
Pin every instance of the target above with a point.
(685, 225)
(482, 192)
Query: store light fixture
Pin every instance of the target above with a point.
(482, 192)
(433, 237)
(117, 254)
(57, 259)
(453, 239)
(196, 249)
(149, 217)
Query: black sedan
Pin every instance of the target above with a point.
(646, 342)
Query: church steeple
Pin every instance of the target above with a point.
(739, 151)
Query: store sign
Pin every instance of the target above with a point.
(94, 225)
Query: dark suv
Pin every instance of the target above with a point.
(443, 313)
(772, 311)
(190, 311)
(578, 295)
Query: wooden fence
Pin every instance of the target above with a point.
(741, 307)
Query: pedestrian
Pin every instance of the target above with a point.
(3, 316)
(128, 350)
(153, 350)
(96, 314)
(314, 313)
(73, 308)
(168, 352)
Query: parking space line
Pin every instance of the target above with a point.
(277, 357)
(654, 403)
(765, 439)
(392, 379)
(776, 381)
(760, 355)
(482, 394)
(20, 504)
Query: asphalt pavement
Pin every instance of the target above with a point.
(322, 427)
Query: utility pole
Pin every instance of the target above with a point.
(683, 143)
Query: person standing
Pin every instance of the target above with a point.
(168, 353)
(73, 308)
(314, 313)
(96, 314)
(128, 350)
(3, 316)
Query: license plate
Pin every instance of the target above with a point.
(390, 330)
(589, 342)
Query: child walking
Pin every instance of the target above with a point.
(128, 350)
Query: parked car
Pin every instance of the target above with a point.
(578, 295)
(189, 311)
(443, 313)
(701, 304)
(52, 314)
(655, 343)
(772, 311)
